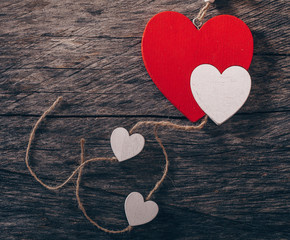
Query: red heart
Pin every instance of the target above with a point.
(172, 48)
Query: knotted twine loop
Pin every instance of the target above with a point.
(198, 21)
(84, 162)
(81, 206)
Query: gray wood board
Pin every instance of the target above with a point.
(226, 182)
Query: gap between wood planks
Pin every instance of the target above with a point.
(134, 116)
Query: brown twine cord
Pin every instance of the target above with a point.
(31, 138)
(202, 12)
(84, 162)
(171, 125)
(165, 171)
(78, 169)
(201, 15)
(81, 206)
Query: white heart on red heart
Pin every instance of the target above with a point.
(172, 48)
(139, 212)
(220, 96)
(125, 146)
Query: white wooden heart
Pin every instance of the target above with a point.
(139, 212)
(220, 96)
(125, 146)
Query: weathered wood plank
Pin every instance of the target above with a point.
(31, 218)
(215, 171)
(127, 18)
(237, 174)
(126, 89)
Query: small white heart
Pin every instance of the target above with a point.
(220, 96)
(139, 212)
(125, 146)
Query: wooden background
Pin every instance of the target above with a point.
(226, 182)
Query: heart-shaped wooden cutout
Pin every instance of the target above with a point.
(220, 95)
(172, 47)
(139, 212)
(125, 146)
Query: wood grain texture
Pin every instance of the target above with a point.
(226, 182)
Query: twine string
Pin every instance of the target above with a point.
(84, 162)
(31, 138)
(171, 125)
(81, 206)
(198, 21)
(156, 124)
(165, 171)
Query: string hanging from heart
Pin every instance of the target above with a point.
(198, 21)
(84, 163)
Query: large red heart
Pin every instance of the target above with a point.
(172, 47)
